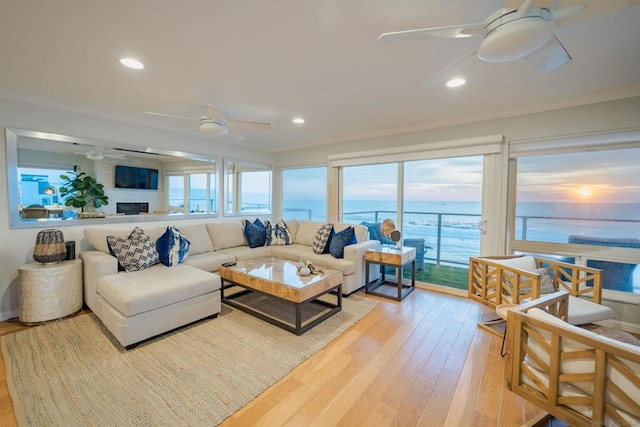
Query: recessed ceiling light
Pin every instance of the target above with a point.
(456, 82)
(298, 120)
(132, 63)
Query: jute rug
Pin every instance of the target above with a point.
(70, 373)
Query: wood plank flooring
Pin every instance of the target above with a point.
(419, 362)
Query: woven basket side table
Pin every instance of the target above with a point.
(49, 292)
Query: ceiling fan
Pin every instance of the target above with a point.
(525, 33)
(214, 123)
(99, 155)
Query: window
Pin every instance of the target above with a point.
(176, 193)
(589, 198)
(304, 194)
(196, 191)
(370, 193)
(39, 186)
(248, 188)
(202, 192)
(593, 193)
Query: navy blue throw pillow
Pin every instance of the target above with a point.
(172, 247)
(341, 239)
(255, 233)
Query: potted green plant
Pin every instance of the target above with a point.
(78, 189)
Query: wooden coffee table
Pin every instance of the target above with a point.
(279, 280)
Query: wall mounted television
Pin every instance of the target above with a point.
(134, 177)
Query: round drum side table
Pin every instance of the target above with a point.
(49, 292)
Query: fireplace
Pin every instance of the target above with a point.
(132, 208)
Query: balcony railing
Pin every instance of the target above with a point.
(454, 237)
(465, 229)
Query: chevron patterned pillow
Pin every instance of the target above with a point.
(320, 244)
(136, 252)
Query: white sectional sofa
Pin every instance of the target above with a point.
(138, 305)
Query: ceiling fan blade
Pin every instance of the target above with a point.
(250, 125)
(170, 115)
(549, 57)
(213, 112)
(454, 31)
(567, 12)
(451, 69)
(524, 8)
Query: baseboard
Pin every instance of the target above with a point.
(442, 289)
(6, 315)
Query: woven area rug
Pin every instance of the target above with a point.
(70, 373)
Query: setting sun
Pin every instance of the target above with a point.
(585, 192)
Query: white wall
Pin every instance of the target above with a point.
(592, 118)
(16, 246)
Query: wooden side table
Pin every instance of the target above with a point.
(393, 257)
(49, 292)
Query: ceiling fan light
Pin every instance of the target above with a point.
(213, 128)
(515, 39)
(95, 156)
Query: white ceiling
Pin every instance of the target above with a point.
(271, 61)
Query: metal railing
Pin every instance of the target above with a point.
(438, 259)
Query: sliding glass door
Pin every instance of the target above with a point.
(436, 203)
(442, 207)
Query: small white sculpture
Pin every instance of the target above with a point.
(304, 271)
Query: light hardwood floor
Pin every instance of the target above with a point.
(420, 362)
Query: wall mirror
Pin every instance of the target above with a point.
(142, 184)
(247, 188)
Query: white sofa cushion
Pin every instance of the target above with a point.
(209, 261)
(526, 263)
(293, 225)
(582, 311)
(198, 237)
(226, 234)
(245, 252)
(155, 287)
(97, 237)
(307, 232)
